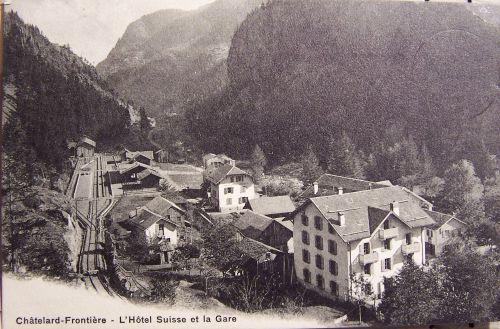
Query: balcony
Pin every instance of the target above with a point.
(407, 249)
(388, 233)
(369, 258)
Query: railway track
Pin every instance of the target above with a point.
(91, 263)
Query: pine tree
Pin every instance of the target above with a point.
(258, 161)
(344, 159)
(310, 167)
(144, 120)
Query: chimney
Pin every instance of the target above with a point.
(341, 219)
(315, 187)
(395, 207)
(341, 190)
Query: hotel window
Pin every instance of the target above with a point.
(318, 242)
(334, 288)
(229, 201)
(332, 247)
(387, 244)
(305, 220)
(366, 248)
(239, 178)
(243, 189)
(409, 258)
(318, 223)
(333, 267)
(330, 229)
(319, 262)
(228, 190)
(307, 275)
(306, 257)
(367, 269)
(386, 224)
(305, 237)
(408, 238)
(320, 282)
(243, 199)
(387, 264)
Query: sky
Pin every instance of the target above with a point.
(90, 27)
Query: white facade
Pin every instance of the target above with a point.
(163, 229)
(436, 238)
(350, 257)
(231, 193)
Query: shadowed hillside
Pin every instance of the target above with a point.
(171, 57)
(304, 71)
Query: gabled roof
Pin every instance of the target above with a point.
(365, 210)
(327, 182)
(255, 249)
(159, 205)
(147, 218)
(251, 225)
(147, 172)
(286, 223)
(86, 140)
(135, 165)
(132, 154)
(441, 219)
(376, 216)
(218, 174)
(138, 155)
(272, 205)
(211, 156)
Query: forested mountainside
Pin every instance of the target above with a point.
(171, 57)
(53, 96)
(302, 72)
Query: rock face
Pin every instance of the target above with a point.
(171, 57)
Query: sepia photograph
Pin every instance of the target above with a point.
(250, 163)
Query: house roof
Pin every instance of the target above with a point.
(135, 165)
(132, 154)
(327, 182)
(365, 210)
(212, 155)
(252, 225)
(286, 223)
(216, 175)
(159, 205)
(376, 216)
(86, 140)
(138, 155)
(441, 218)
(209, 156)
(272, 205)
(147, 172)
(255, 249)
(145, 219)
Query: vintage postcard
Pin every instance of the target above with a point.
(250, 163)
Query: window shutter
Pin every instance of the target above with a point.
(361, 249)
